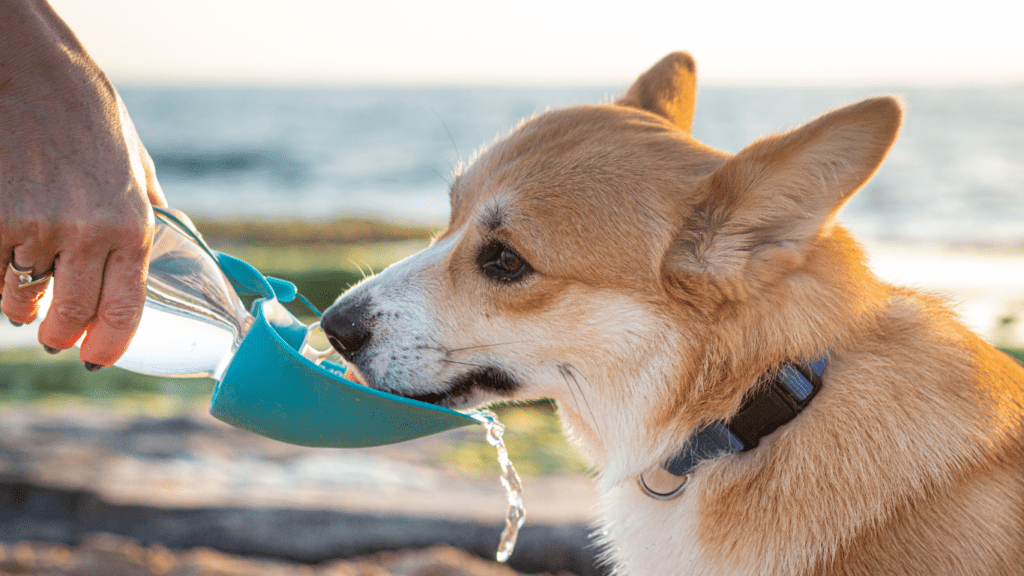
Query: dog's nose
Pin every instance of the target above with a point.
(346, 325)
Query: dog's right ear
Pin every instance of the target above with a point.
(761, 209)
(668, 89)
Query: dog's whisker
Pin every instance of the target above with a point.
(566, 370)
(360, 268)
(576, 404)
(486, 346)
(462, 363)
(450, 138)
(438, 348)
(439, 175)
(597, 425)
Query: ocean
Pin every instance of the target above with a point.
(955, 175)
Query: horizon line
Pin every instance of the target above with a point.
(399, 83)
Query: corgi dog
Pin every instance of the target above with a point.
(755, 399)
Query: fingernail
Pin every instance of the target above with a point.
(92, 367)
(17, 324)
(50, 349)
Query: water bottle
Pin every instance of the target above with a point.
(270, 380)
(193, 320)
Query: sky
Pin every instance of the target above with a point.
(546, 41)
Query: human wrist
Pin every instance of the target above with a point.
(37, 48)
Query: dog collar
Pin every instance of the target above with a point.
(764, 411)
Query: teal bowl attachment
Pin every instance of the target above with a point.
(271, 389)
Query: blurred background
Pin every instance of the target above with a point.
(314, 139)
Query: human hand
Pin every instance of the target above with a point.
(76, 189)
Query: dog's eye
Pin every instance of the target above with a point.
(500, 262)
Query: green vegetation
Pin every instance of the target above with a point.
(1015, 353)
(363, 258)
(310, 233)
(321, 287)
(32, 376)
(536, 444)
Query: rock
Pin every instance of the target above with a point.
(29, 512)
(106, 555)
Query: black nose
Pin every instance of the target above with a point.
(347, 326)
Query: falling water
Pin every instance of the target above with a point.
(516, 514)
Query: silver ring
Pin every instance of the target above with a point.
(26, 278)
(662, 496)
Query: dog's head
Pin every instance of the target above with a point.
(600, 256)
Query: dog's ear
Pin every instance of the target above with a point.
(668, 89)
(762, 208)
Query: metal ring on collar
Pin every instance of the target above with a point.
(26, 278)
(662, 496)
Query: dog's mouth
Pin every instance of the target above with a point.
(438, 398)
(353, 374)
(458, 392)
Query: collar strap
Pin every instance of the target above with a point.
(766, 409)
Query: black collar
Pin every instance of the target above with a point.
(768, 407)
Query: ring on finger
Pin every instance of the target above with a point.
(26, 277)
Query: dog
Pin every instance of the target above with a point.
(658, 290)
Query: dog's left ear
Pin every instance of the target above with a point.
(668, 89)
(761, 209)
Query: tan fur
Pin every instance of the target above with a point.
(668, 277)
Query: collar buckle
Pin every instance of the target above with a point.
(662, 496)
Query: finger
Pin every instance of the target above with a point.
(21, 303)
(121, 299)
(5, 257)
(76, 292)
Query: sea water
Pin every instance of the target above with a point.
(954, 175)
(515, 515)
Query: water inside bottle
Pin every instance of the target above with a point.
(516, 513)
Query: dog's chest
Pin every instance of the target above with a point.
(646, 537)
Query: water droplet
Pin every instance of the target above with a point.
(516, 514)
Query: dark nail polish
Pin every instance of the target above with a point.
(16, 324)
(92, 367)
(50, 349)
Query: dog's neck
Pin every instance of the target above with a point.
(773, 403)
